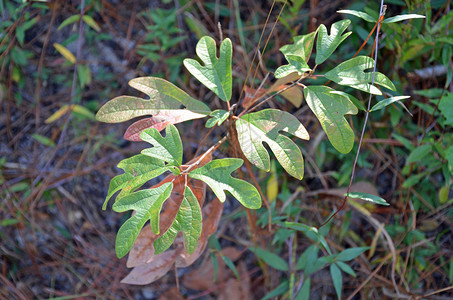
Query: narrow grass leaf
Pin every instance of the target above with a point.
(279, 290)
(351, 253)
(419, 153)
(359, 14)
(388, 101)
(65, 52)
(304, 293)
(400, 18)
(337, 279)
(346, 268)
(367, 197)
(270, 258)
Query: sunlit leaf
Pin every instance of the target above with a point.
(165, 102)
(147, 204)
(402, 18)
(359, 14)
(91, 22)
(65, 52)
(133, 132)
(265, 126)
(353, 99)
(302, 46)
(337, 279)
(351, 73)
(58, 114)
(326, 44)
(68, 21)
(168, 148)
(43, 140)
(388, 101)
(330, 109)
(217, 176)
(218, 117)
(296, 64)
(216, 72)
(367, 197)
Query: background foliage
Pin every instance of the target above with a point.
(56, 160)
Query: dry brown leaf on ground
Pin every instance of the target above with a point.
(171, 294)
(202, 278)
(237, 289)
(147, 273)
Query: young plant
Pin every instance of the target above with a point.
(177, 202)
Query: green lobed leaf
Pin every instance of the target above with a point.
(147, 204)
(216, 72)
(359, 14)
(402, 18)
(165, 101)
(351, 253)
(138, 169)
(386, 102)
(188, 220)
(217, 174)
(296, 64)
(218, 117)
(337, 279)
(353, 99)
(265, 126)
(367, 197)
(302, 47)
(351, 73)
(168, 148)
(330, 109)
(272, 259)
(326, 44)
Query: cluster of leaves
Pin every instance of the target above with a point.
(169, 105)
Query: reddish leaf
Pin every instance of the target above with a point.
(142, 250)
(294, 95)
(147, 273)
(133, 132)
(252, 95)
